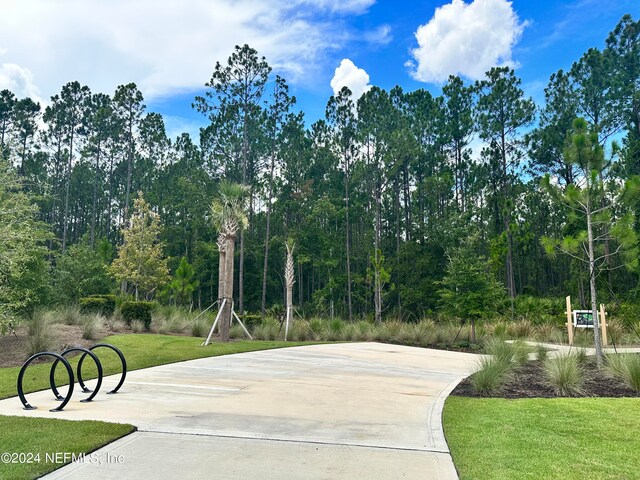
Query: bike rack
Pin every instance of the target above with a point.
(52, 380)
(59, 358)
(122, 359)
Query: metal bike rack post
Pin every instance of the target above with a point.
(122, 359)
(52, 374)
(58, 358)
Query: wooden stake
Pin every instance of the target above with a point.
(603, 325)
(569, 320)
(213, 327)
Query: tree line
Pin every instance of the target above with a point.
(377, 195)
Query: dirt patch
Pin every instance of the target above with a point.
(528, 381)
(14, 349)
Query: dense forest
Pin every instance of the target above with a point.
(382, 198)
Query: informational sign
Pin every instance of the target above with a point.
(583, 318)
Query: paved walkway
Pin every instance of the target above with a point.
(340, 411)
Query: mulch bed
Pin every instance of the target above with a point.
(528, 381)
(14, 349)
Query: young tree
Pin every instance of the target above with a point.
(469, 291)
(228, 215)
(184, 283)
(140, 261)
(592, 200)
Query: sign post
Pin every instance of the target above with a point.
(569, 320)
(603, 325)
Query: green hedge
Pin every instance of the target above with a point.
(251, 320)
(103, 304)
(140, 311)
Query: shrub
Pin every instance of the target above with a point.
(115, 324)
(565, 375)
(103, 304)
(520, 329)
(69, 315)
(40, 338)
(236, 331)
(626, 367)
(490, 376)
(251, 320)
(91, 326)
(200, 327)
(509, 353)
(140, 311)
(541, 353)
(137, 326)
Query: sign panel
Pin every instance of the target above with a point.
(583, 318)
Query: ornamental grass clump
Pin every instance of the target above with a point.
(40, 337)
(565, 375)
(626, 367)
(491, 375)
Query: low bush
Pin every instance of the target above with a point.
(200, 327)
(565, 374)
(140, 311)
(491, 375)
(103, 304)
(137, 326)
(39, 338)
(91, 327)
(626, 367)
(69, 315)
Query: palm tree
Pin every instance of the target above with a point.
(228, 216)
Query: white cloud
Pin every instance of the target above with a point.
(381, 35)
(166, 47)
(19, 80)
(466, 39)
(348, 75)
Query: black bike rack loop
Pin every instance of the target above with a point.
(58, 358)
(122, 359)
(52, 374)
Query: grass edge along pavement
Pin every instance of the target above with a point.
(31, 447)
(564, 438)
(140, 351)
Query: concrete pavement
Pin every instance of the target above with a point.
(337, 411)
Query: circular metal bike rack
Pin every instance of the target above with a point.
(122, 359)
(59, 358)
(52, 374)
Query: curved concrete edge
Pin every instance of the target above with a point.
(435, 417)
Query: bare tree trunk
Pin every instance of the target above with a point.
(348, 236)
(263, 307)
(65, 220)
(592, 286)
(376, 246)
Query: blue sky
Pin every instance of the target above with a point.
(169, 48)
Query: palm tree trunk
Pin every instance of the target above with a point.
(225, 318)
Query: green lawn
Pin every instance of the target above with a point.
(42, 438)
(140, 351)
(581, 438)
